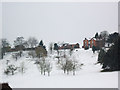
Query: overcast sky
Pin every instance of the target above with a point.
(53, 22)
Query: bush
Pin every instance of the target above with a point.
(10, 70)
(44, 66)
(40, 52)
(32, 53)
(22, 67)
(86, 48)
(69, 64)
(17, 55)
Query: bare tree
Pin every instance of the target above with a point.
(51, 48)
(44, 65)
(22, 67)
(19, 44)
(32, 42)
(41, 65)
(62, 64)
(32, 53)
(71, 51)
(16, 55)
(69, 64)
(26, 45)
(48, 66)
(19, 41)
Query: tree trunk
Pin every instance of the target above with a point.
(16, 58)
(64, 71)
(67, 72)
(41, 72)
(44, 72)
(48, 73)
(12, 72)
(73, 72)
(58, 60)
(2, 55)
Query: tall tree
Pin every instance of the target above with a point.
(101, 56)
(19, 41)
(19, 44)
(32, 42)
(104, 34)
(4, 47)
(112, 37)
(51, 47)
(111, 59)
(56, 47)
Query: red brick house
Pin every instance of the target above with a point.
(92, 42)
(85, 43)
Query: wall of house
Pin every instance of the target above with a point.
(85, 43)
(92, 43)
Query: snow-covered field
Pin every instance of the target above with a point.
(89, 76)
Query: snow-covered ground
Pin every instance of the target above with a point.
(89, 76)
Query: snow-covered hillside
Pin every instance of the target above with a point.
(89, 76)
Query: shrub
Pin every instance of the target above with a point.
(44, 66)
(22, 67)
(32, 53)
(10, 70)
(69, 64)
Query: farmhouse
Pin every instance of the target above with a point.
(98, 43)
(86, 43)
(92, 42)
(69, 46)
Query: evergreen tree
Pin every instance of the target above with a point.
(112, 37)
(93, 49)
(5, 46)
(101, 55)
(56, 46)
(96, 35)
(44, 47)
(41, 43)
(111, 59)
(51, 48)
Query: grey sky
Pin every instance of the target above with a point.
(53, 22)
